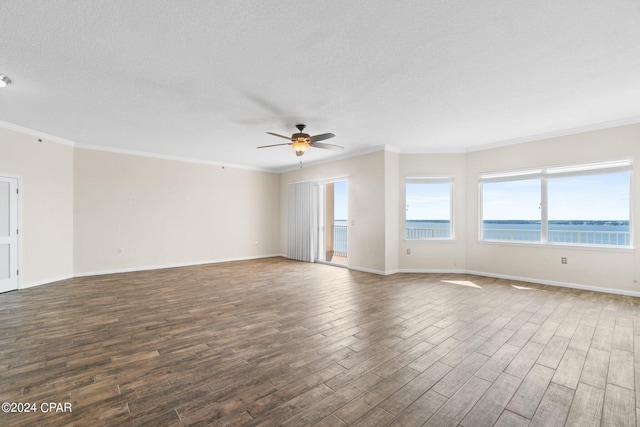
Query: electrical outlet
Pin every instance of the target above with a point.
(408, 251)
(563, 260)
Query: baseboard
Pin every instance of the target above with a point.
(372, 271)
(45, 281)
(555, 283)
(527, 280)
(367, 270)
(437, 271)
(174, 265)
(356, 268)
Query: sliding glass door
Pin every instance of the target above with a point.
(333, 244)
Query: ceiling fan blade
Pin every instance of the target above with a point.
(274, 145)
(327, 146)
(281, 136)
(322, 137)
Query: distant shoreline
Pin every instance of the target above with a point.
(614, 222)
(562, 222)
(589, 232)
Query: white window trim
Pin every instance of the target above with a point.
(433, 180)
(622, 165)
(551, 172)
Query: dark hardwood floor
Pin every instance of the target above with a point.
(273, 341)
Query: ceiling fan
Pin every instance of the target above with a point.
(301, 142)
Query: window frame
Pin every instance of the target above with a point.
(432, 180)
(548, 173)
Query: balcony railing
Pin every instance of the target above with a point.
(588, 237)
(578, 237)
(414, 233)
(340, 247)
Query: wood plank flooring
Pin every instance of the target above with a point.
(277, 342)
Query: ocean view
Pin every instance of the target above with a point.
(611, 233)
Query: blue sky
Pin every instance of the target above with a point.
(588, 197)
(428, 201)
(511, 200)
(340, 195)
(591, 197)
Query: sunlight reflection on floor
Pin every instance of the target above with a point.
(462, 283)
(521, 287)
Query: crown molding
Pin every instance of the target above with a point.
(37, 133)
(390, 148)
(555, 134)
(169, 157)
(64, 141)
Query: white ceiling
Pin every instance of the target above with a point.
(205, 80)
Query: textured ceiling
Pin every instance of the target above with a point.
(205, 80)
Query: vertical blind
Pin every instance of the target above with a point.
(302, 221)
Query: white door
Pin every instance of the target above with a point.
(8, 234)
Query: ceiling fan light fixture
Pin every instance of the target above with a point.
(300, 145)
(301, 141)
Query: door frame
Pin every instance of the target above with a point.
(18, 246)
(320, 185)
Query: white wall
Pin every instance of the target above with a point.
(46, 235)
(391, 214)
(135, 212)
(436, 255)
(377, 187)
(366, 186)
(79, 207)
(607, 269)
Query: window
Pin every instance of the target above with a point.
(590, 209)
(581, 205)
(511, 210)
(429, 203)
